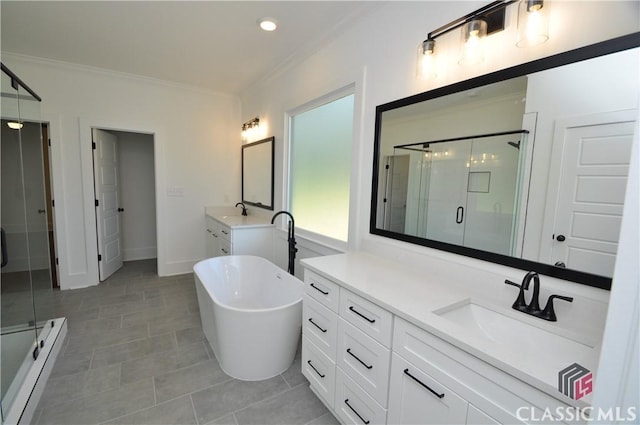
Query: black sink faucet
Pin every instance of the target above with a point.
(244, 209)
(533, 308)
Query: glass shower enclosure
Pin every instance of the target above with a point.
(25, 279)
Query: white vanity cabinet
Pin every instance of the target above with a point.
(371, 366)
(225, 237)
(346, 350)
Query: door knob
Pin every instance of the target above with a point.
(560, 238)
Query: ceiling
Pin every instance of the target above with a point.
(216, 45)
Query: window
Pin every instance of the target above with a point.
(320, 167)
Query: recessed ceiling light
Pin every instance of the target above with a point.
(268, 24)
(14, 125)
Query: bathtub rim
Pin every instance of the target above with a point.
(249, 310)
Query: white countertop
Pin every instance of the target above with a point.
(418, 297)
(233, 218)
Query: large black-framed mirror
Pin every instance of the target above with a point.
(524, 167)
(257, 173)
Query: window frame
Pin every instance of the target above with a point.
(315, 237)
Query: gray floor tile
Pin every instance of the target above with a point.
(154, 317)
(98, 408)
(232, 395)
(225, 420)
(189, 379)
(67, 364)
(94, 340)
(132, 350)
(95, 325)
(326, 419)
(175, 412)
(177, 323)
(157, 364)
(81, 384)
(295, 407)
(190, 335)
(132, 307)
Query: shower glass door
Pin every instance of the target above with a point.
(26, 291)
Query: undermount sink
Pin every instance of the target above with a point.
(503, 329)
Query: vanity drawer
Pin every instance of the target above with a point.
(320, 370)
(322, 290)
(365, 360)
(225, 231)
(320, 325)
(353, 405)
(366, 316)
(224, 246)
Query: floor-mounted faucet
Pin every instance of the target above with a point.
(291, 239)
(244, 209)
(533, 308)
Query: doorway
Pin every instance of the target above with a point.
(124, 184)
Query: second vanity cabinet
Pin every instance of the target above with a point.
(370, 366)
(237, 239)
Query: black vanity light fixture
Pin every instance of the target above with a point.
(249, 128)
(533, 28)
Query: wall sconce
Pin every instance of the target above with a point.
(474, 27)
(533, 23)
(249, 128)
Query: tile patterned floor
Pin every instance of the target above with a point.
(135, 354)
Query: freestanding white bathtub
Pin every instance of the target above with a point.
(251, 312)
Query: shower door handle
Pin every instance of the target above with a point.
(459, 214)
(3, 243)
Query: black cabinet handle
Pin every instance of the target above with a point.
(316, 325)
(120, 209)
(459, 215)
(319, 290)
(358, 359)
(406, 372)
(314, 369)
(225, 232)
(364, 421)
(361, 315)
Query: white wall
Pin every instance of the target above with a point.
(137, 195)
(379, 56)
(197, 156)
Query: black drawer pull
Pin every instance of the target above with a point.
(364, 421)
(356, 357)
(361, 315)
(314, 369)
(316, 325)
(406, 372)
(319, 290)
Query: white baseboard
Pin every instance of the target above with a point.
(145, 253)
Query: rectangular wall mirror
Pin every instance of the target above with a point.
(525, 167)
(257, 173)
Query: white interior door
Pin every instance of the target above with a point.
(105, 169)
(396, 199)
(590, 195)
